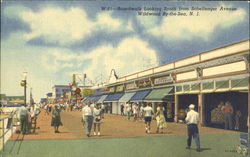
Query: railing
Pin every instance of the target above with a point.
(5, 128)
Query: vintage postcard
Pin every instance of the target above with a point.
(124, 78)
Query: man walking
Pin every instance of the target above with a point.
(192, 128)
(148, 113)
(23, 112)
(129, 110)
(228, 113)
(87, 113)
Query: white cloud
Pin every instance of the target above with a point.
(57, 25)
(148, 21)
(131, 55)
(104, 21)
(187, 27)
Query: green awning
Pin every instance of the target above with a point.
(160, 94)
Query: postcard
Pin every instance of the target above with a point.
(124, 78)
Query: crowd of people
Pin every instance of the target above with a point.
(224, 114)
(27, 117)
(93, 113)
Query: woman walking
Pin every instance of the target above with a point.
(97, 119)
(160, 119)
(56, 118)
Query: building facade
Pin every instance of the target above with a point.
(59, 91)
(205, 80)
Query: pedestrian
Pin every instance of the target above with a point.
(148, 112)
(122, 109)
(237, 120)
(103, 110)
(56, 118)
(50, 108)
(128, 109)
(23, 112)
(97, 119)
(228, 114)
(192, 120)
(87, 113)
(135, 111)
(160, 119)
(32, 117)
(141, 112)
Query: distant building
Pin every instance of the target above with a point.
(12, 99)
(59, 91)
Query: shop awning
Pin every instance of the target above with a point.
(126, 97)
(140, 95)
(113, 97)
(92, 98)
(160, 94)
(102, 98)
(96, 98)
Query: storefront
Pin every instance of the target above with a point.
(112, 102)
(233, 90)
(124, 99)
(205, 80)
(165, 97)
(186, 94)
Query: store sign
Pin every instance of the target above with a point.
(120, 88)
(163, 80)
(87, 91)
(112, 89)
(131, 86)
(144, 83)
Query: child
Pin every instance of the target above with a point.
(237, 120)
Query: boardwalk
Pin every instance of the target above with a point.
(120, 137)
(113, 126)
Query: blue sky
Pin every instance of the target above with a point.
(53, 40)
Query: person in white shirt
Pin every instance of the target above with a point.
(23, 113)
(97, 119)
(92, 105)
(141, 112)
(87, 114)
(128, 110)
(103, 110)
(148, 112)
(192, 120)
(135, 111)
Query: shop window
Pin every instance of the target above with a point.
(186, 87)
(222, 84)
(178, 88)
(207, 85)
(239, 83)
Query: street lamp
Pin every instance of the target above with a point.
(24, 84)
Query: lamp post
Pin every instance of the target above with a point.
(24, 84)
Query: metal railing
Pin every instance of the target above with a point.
(4, 130)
